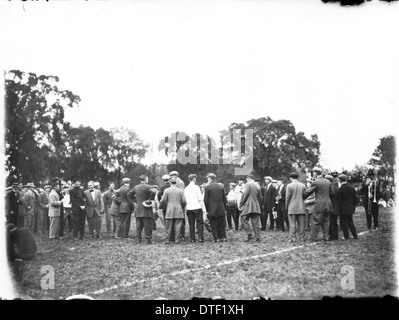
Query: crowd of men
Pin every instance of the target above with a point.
(318, 205)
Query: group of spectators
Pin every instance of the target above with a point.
(60, 208)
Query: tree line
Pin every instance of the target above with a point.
(40, 143)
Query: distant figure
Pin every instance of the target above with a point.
(195, 203)
(371, 195)
(107, 198)
(282, 215)
(12, 204)
(232, 210)
(126, 207)
(54, 211)
(77, 197)
(269, 201)
(180, 184)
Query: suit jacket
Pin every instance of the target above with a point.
(174, 201)
(269, 200)
(54, 204)
(30, 202)
(251, 199)
(12, 202)
(294, 198)
(107, 197)
(365, 196)
(335, 199)
(348, 199)
(126, 205)
(77, 197)
(141, 193)
(215, 200)
(95, 204)
(322, 189)
(42, 202)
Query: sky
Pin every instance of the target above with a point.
(197, 66)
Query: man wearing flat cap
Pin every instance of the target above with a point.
(323, 206)
(31, 198)
(294, 202)
(215, 203)
(126, 208)
(250, 208)
(180, 184)
(195, 204)
(347, 207)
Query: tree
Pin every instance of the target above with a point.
(278, 148)
(384, 157)
(35, 126)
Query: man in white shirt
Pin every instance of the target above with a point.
(194, 207)
(239, 189)
(232, 211)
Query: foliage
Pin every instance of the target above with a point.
(384, 156)
(35, 126)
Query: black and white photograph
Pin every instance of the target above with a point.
(187, 150)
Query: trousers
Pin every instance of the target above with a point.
(54, 227)
(173, 226)
(125, 224)
(320, 220)
(95, 224)
(347, 223)
(146, 224)
(195, 223)
(232, 213)
(218, 226)
(333, 229)
(297, 224)
(255, 221)
(78, 225)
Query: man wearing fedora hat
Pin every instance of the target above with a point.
(31, 198)
(144, 213)
(347, 207)
(12, 204)
(269, 202)
(126, 208)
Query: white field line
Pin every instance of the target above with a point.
(208, 266)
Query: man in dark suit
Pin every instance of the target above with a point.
(94, 209)
(215, 203)
(347, 207)
(107, 197)
(12, 203)
(282, 215)
(77, 197)
(370, 192)
(126, 207)
(336, 201)
(323, 206)
(250, 208)
(269, 201)
(144, 215)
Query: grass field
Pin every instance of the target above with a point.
(274, 268)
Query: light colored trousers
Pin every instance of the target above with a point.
(54, 227)
(255, 221)
(297, 224)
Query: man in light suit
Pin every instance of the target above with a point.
(294, 202)
(250, 208)
(173, 200)
(30, 206)
(180, 184)
(54, 212)
(215, 203)
(323, 205)
(94, 209)
(126, 207)
(269, 202)
(144, 214)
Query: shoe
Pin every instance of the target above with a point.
(183, 238)
(224, 240)
(375, 229)
(139, 240)
(263, 229)
(325, 240)
(216, 240)
(201, 240)
(116, 237)
(192, 241)
(258, 240)
(250, 237)
(177, 241)
(149, 241)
